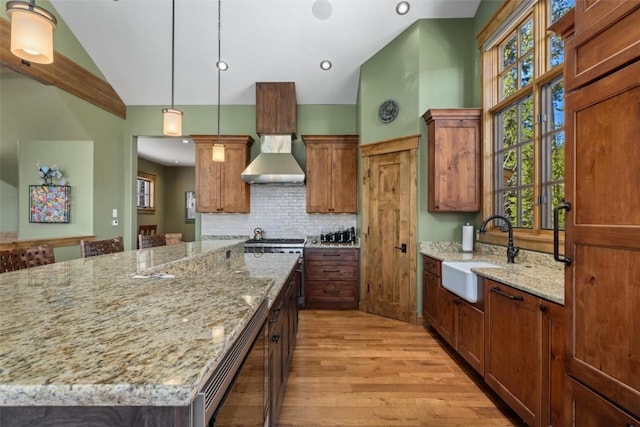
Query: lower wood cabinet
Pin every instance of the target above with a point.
(512, 338)
(332, 278)
(283, 329)
(524, 353)
(462, 326)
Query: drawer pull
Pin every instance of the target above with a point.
(331, 271)
(334, 255)
(511, 297)
(330, 292)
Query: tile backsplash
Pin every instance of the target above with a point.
(280, 210)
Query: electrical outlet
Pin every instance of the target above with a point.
(114, 222)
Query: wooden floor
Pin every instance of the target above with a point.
(356, 369)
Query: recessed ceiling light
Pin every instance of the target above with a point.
(185, 141)
(176, 161)
(222, 66)
(325, 64)
(322, 9)
(402, 8)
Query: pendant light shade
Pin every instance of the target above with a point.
(217, 153)
(31, 32)
(172, 122)
(172, 118)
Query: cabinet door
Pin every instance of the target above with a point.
(611, 40)
(553, 360)
(234, 191)
(344, 180)
(603, 236)
(470, 339)
(318, 177)
(447, 316)
(208, 176)
(430, 285)
(512, 348)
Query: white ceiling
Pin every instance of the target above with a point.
(262, 40)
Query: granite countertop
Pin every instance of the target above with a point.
(532, 272)
(88, 332)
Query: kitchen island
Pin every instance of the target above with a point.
(128, 335)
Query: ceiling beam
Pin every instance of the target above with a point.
(64, 74)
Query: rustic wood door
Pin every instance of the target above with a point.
(389, 247)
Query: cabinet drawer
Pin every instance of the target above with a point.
(331, 290)
(431, 265)
(331, 271)
(589, 409)
(331, 254)
(604, 47)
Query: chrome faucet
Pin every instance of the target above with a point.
(512, 251)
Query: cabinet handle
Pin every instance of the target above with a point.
(511, 297)
(324, 291)
(556, 233)
(331, 254)
(331, 271)
(275, 338)
(543, 308)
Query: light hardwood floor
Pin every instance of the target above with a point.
(356, 369)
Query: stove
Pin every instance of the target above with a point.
(275, 244)
(281, 246)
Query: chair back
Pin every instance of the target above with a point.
(33, 256)
(147, 229)
(173, 238)
(12, 260)
(151, 240)
(100, 247)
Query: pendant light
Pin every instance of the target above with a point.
(31, 31)
(172, 118)
(217, 151)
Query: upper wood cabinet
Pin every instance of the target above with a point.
(276, 108)
(606, 38)
(219, 187)
(453, 159)
(332, 173)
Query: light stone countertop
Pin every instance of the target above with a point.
(85, 332)
(532, 272)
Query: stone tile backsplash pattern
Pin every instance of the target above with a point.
(280, 210)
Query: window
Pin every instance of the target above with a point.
(145, 192)
(524, 128)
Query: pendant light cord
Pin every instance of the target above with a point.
(173, 48)
(218, 65)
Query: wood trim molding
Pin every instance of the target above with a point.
(498, 18)
(330, 139)
(225, 139)
(64, 74)
(55, 241)
(564, 27)
(409, 142)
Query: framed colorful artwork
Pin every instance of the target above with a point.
(49, 203)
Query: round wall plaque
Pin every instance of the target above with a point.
(388, 111)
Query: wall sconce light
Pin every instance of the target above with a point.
(172, 118)
(217, 151)
(31, 31)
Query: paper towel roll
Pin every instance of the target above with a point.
(467, 238)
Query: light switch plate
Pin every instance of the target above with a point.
(115, 213)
